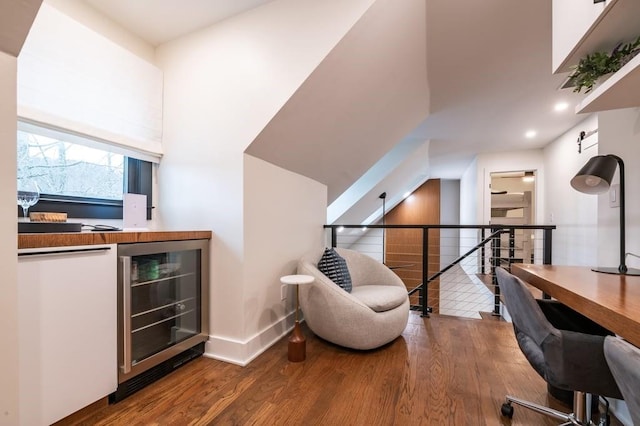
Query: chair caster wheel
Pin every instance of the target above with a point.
(507, 410)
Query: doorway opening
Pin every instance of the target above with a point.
(513, 203)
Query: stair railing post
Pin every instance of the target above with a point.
(495, 262)
(424, 292)
(546, 253)
(512, 246)
(483, 267)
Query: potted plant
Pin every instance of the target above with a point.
(594, 66)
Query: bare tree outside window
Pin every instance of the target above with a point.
(64, 168)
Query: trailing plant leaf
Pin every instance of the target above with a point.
(595, 65)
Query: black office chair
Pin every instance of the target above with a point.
(624, 361)
(565, 348)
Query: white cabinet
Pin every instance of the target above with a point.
(67, 325)
(580, 28)
(571, 20)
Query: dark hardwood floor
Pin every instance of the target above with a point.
(442, 371)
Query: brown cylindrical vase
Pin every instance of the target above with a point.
(297, 344)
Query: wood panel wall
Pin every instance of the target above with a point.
(404, 246)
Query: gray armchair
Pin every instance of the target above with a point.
(624, 360)
(373, 314)
(565, 348)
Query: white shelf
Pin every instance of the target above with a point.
(618, 22)
(621, 90)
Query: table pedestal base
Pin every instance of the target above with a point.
(297, 344)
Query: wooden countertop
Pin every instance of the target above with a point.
(118, 237)
(612, 301)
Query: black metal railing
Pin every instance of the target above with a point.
(482, 247)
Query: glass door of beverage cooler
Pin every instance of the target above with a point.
(162, 309)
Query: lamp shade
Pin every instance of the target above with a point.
(595, 176)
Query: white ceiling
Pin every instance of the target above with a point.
(488, 63)
(370, 90)
(490, 78)
(159, 21)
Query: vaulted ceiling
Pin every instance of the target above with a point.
(486, 70)
(370, 91)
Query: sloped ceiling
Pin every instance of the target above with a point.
(355, 202)
(369, 92)
(405, 177)
(490, 73)
(15, 22)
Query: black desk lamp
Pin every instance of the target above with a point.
(595, 178)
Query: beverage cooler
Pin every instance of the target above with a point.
(163, 296)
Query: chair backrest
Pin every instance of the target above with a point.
(569, 360)
(624, 362)
(365, 270)
(523, 308)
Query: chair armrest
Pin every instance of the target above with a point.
(326, 287)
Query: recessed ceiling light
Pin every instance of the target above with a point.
(340, 228)
(406, 194)
(561, 106)
(530, 134)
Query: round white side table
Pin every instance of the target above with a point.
(297, 342)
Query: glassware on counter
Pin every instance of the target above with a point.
(28, 195)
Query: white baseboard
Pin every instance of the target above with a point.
(242, 352)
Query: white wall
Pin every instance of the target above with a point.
(506, 162)
(575, 214)
(619, 134)
(449, 215)
(283, 217)
(587, 232)
(469, 198)
(222, 86)
(8, 249)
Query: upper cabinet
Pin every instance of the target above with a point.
(572, 24)
(581, 27)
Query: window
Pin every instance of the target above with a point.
(68, 169)
(77, 175)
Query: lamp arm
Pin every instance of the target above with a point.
(623, 266)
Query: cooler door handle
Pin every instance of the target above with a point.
(126, 314)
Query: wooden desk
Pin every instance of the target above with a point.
(610, 300)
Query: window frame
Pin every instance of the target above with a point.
(137, 180)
